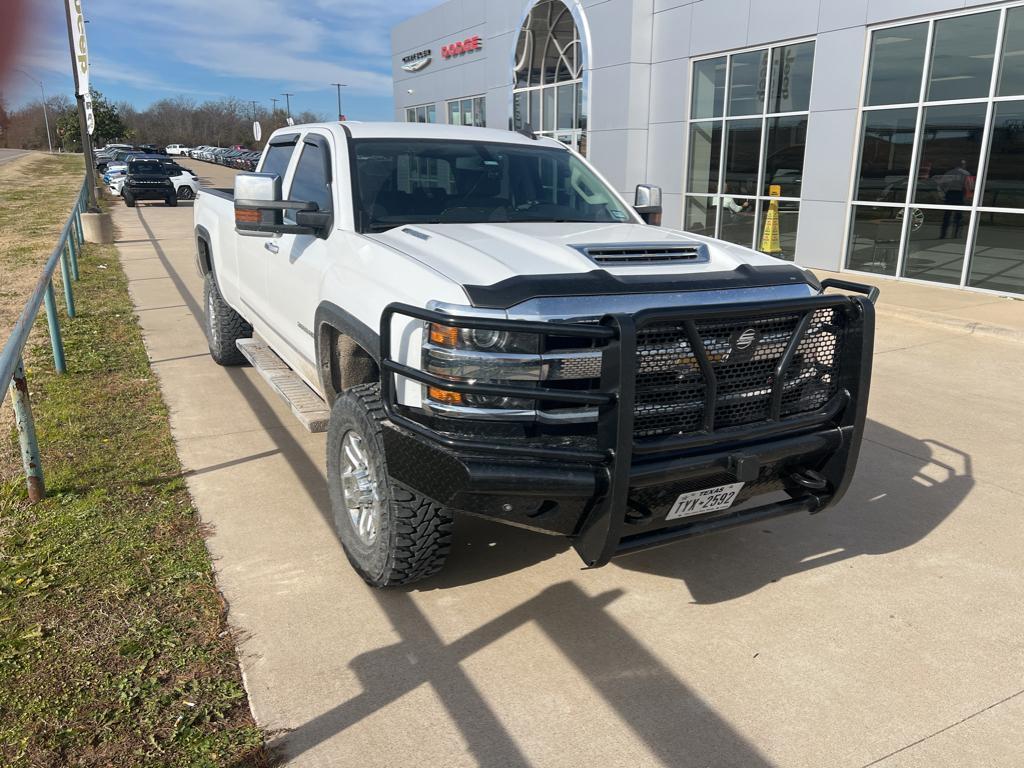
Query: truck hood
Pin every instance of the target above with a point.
(484, 254)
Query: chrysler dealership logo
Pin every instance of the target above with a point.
(414, 62)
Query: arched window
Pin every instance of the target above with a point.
(548, 93)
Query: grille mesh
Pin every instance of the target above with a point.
(670, 387)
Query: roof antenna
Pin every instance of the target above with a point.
(528, 132)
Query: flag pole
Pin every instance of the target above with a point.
(80, 66)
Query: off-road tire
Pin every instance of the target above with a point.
(224, 326)
(414, 533)
(129, 199)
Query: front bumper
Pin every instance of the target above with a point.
(149, 193)
(612, 496)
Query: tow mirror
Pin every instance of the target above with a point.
(648, 203)
(259, 209)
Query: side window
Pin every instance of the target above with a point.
(276, 159)
(310, 180)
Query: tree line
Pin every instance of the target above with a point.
(179, 120)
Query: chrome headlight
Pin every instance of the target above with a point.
(476, 355)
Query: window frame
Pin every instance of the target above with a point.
(473, 102)
(759, 200)
(426, 107)
(990, 100)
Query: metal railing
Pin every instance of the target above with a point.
(12, 366)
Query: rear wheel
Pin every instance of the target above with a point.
(224, 326)
(391, 534)
(185, 192)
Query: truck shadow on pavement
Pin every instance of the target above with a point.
(903, 490)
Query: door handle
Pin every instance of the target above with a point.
(272, 247)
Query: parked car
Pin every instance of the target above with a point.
(177, 149)
(185, 184)
(148, 180)
(546, 356)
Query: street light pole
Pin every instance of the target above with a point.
(339, 86)
(288, 102)
(46, 120)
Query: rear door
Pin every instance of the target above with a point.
(296, 271)
(255, 251)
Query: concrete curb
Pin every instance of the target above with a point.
(958, 324)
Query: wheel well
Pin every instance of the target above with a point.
(203, 256)
(344, 363)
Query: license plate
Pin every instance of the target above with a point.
(708, 500)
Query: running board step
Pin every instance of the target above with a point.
(304, 402)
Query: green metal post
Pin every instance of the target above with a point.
(65, 276)
(74, 253)
(27, 434)
(51, 320)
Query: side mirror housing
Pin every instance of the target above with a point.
(648, 203)
(259, 209)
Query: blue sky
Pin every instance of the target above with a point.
(205, 49)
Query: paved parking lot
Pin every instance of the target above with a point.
(888, 631)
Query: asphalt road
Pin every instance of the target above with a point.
(6, 155)
(886, 632)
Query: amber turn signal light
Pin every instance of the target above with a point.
(444, 396)
(443, 335)
(247, 216)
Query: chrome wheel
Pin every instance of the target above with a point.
(362, 497)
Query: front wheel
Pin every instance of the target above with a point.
(390, 534)
(172, 201)
(129, 199)
(224, 326)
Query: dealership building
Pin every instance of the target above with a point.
(874, 136)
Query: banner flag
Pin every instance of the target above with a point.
(81, 49)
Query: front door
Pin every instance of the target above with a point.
(296, 271)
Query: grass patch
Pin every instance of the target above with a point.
(114, 650)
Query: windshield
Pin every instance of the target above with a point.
(146, 167)
(402, 181)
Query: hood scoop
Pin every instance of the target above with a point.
(643, 254)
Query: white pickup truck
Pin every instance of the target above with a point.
(484, 326)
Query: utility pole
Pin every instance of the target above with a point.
(46, 120)
(339, 86)
(288, 102)
(273, 101)
(83, 127)
(253, 101)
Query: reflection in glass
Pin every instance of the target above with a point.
(950, 146)
(1004, 177)
(791, 78)
(566, 99)
(548, 109)
(700, 215)
(886, 149)
(520, 110)
(708, 88)
(935, 251)
(1011, 71)
(704, 156)
(897, 60)
(789, 215)
(998, 261)
(875, 239)
(737, 220)
(784, 154)
(747, 82)
(962, 54)
(742, 155)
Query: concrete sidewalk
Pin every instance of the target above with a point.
(945, 306)
(886, 632)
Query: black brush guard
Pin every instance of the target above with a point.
(834, 429)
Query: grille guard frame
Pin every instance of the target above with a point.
(601, 533)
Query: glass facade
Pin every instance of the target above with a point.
(939, 192)
(471, 111)
(425, 113)
(548, 94)
(748, 128)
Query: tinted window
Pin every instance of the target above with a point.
(708, 88)
(310, 181)
(1004, 179)
(747, 83)
(962, 57)
(950, 146)
(886, 149)
(1011, 75)
(791, 78)
(897, 60)
(276, 160)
